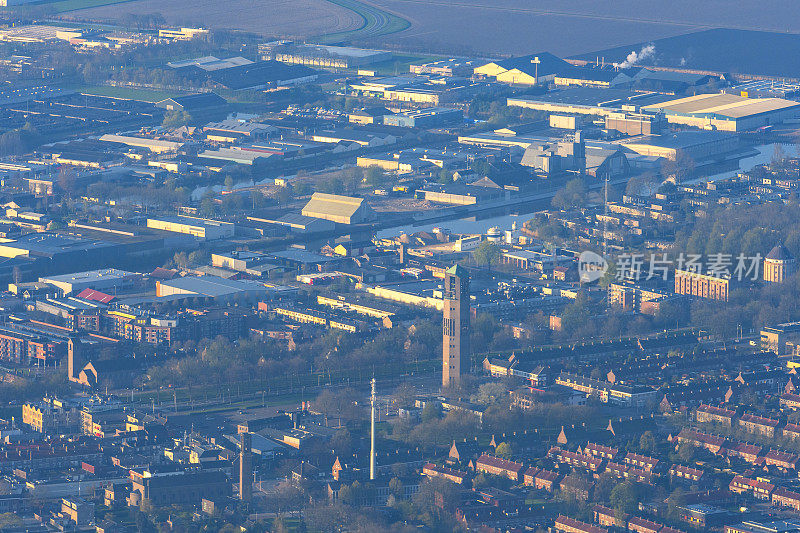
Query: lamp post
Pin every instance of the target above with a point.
(536, 62)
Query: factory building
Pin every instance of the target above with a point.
(218, 289)
(698, 145)
(726, 112)
(200, 228)
(589, 101)
(525, 70)
(105, 279)
(317, 55)
(339, 209)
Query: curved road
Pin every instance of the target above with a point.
(375, 22)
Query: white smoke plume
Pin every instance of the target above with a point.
(635, 57)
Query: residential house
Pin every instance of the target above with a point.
(781, 459)
(641, 461)
(761, 490)
(542, 479)
(746, 452)
(499, 467)
(715, 415)
(565, 524)
(759, 424)
(790, 400)
(456, 476)
(598, 450)
(786, 498)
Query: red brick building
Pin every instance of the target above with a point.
(499, 467)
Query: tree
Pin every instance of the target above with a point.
(396, 488)
(679, 169)
(503, 450)
(625, 498)
(686, 452)
(647, 442)
(572, 196)
(340, 404)
(404, 395)
(9, 521)
(431, 411)
(445, 176)
(486, 253)
(490, 393)
(66, 179)
(284, 195)
(642, 185)
(175, 119)
(11, 143)
(374, 176)
(286, 497)
(778, 156)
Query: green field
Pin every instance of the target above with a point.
(144, 95)
(375, 23)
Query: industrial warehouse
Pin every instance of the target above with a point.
(726, 112)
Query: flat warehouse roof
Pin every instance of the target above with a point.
(726, 105)
(596, 97)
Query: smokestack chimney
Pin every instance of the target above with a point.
(246, 467)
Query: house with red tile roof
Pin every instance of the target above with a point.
(565, 524)
(790, 400)
(456, 476)
(781, 459)
(641, 525)
(746, 452)
(715, 415)
(786, 498)
(498, 466)
(759, 424)
(759, 489)
(694, 475)
(598, 450)
(542, 479)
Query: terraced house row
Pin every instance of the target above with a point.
(750, 453)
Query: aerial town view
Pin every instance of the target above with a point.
(367, 266)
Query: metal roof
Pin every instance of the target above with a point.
(332, 204)
(725, 105)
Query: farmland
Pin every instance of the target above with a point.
(574, 26)
(277, 17)
(64, 6)
(502, 27)
(375, 23)
(725, 50)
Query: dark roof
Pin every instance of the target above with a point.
(259, 74)
(779, 253)
(592, 73)
(195, 101)
(548, 64)
(122, 364)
